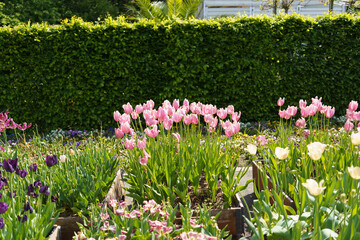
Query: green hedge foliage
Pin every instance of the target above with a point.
(74, 75)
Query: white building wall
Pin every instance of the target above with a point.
(216, 8)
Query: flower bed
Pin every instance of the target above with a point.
(315, 167)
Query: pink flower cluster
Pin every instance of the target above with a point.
(167, 115)
(8, 123)
(352, 116)
(195, 236)
(305, 111)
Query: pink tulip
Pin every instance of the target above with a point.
(349, 115)
(208, 118)
(153, 132)
(118, 133)
(284, 114)
(312, 109)
(305, 112)
(214, 122)
(261, 139)
(141, 143)
(176, 104)
(230, 130)
(134, 115)
(222, 113)
(144, 160)
(166, 104)
(125, 127)
(348, 126)
(186, 102)
(117, 116)
(128, 108)
(236, 126)
(292, 110)
(125, 118)
(185, 109)
(130, 143)
(161, 114)
(194, 119)
(353, 105)
(150, 104)
(301, 123)
(356, 116)
(329, 112)
(226, 124)
(177, 136)
(168, 124)
(187, 119)
(139, 109)
(280, 102)
(302, 104)
(170, 111)
(306, 133)
(317, 102)
(178, 115)
(230, 109)
(193, 107)
(236, 116)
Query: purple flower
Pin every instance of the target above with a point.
(53, 198)
(10, 165)
(27, 207)
(37, 183)
(51, 160)
(3, 179)
(33, 167)
(2, 224)
(2, 184)
(3, 207)
(31, 191)
(21, 173)
(44, 189)
(24, 218)
(0, 195)
(14, 194)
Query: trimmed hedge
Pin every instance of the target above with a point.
(74, 75)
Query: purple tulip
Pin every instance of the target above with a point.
(24, 218)
(10, 165)
(44, 189)
(3, 179)
(2, 224)
(2, 184)
(21, 173)
(3, 207)
(33, 167)
(27, 207)
(14, 194)
(51, 160)
(53, 198)
(31, 191)
(37, 183)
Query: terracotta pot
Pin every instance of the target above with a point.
(258, 183)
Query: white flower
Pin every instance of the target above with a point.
(62, 158)
(251, 148)
(313, 187)
(281, 153)
(355, 138)
(315, 150)
(354, 172)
